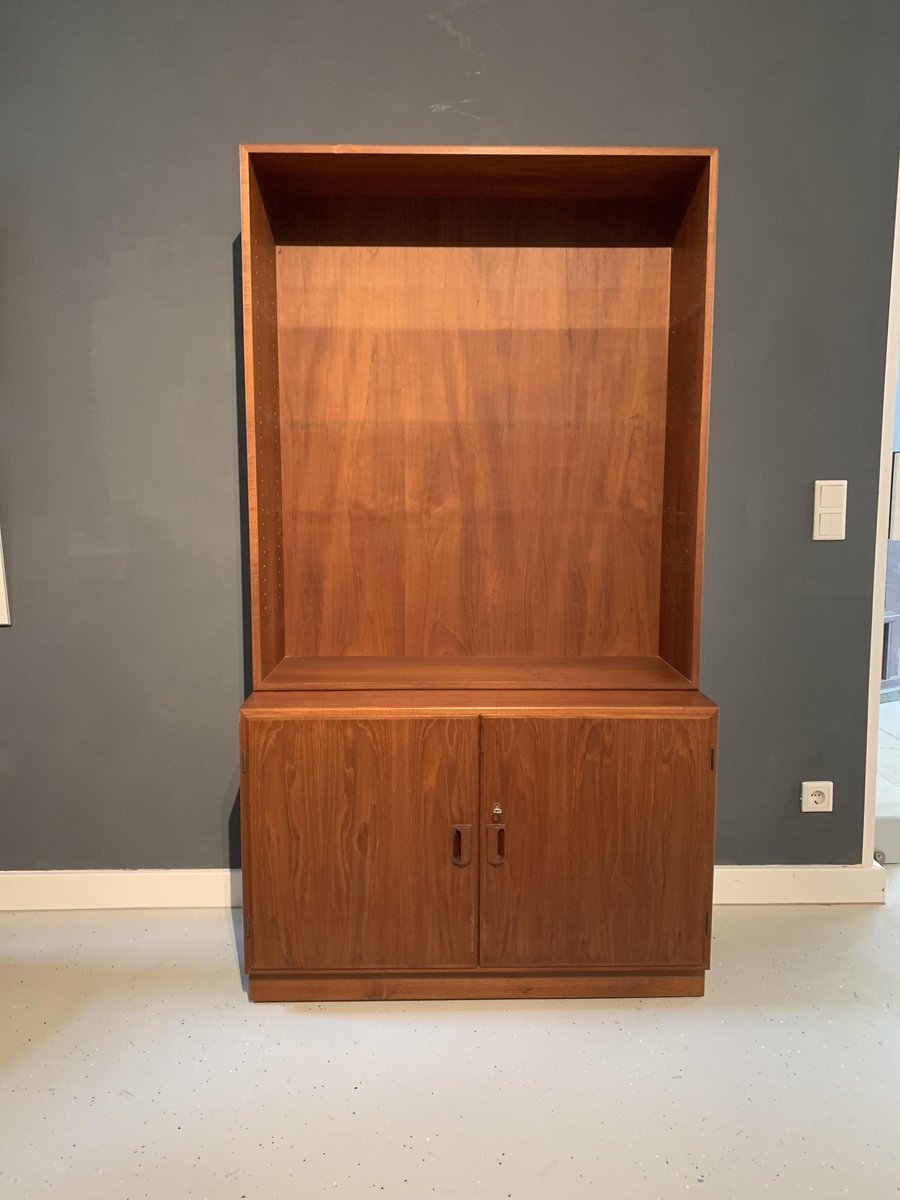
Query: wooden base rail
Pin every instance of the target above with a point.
(291, 986)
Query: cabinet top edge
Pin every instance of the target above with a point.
(252, 148)
(406, 704)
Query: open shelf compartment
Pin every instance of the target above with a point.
(476, 388)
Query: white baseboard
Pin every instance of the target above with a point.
(799, 885)
(38, 890)
(220, 888)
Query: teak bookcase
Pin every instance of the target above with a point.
(476, 761)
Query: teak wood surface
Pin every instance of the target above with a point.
(362, 839)
(687, 424)
(661, 176)
(607, 855)
(351, 827)
(535, 702)
(614, 673)
(485, 985)
(472, 446)
(477, 391)
(264, 496)
(477, 394)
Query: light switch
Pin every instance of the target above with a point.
(831, 525)
(831, 495)
(830, 510)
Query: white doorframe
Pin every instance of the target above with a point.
(881, 540)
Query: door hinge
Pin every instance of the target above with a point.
(712, 759)
(707, 923)
(243, 762)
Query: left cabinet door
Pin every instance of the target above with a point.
(359, 839)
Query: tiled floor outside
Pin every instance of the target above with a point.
(887, 796)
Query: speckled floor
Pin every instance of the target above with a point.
(133, 1067)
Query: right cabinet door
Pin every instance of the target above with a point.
(602, 852)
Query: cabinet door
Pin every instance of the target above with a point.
(604, 853)
(362, 843)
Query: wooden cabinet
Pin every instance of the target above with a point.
(360, 837)
(606, 849)
(472, 854)
(476, 761)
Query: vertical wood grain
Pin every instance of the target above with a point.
(351, 841)
(473, 442)
(263, 435)
(477, 403)
(687, 421)
(246, 852)
(609, 842)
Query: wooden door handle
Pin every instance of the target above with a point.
(496, 845)
(462, 845)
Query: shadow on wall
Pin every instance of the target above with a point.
(241, 411)
(233, 798)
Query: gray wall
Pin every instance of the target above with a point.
(122, 673)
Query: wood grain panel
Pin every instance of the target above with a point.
(262, 420)
(614, 673)
(687, 421)
(246, 851)
(266, 985)
(665, 175)
(492, 221)
(609, 837)
(472, 447)
(351, 843)
(473, 702)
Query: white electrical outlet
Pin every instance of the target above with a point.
(817, 795)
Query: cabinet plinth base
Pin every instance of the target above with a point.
(299, 986)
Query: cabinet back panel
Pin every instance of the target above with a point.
(472, 438)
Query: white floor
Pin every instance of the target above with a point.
(133, 1066)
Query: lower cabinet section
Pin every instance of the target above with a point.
(454, 855)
